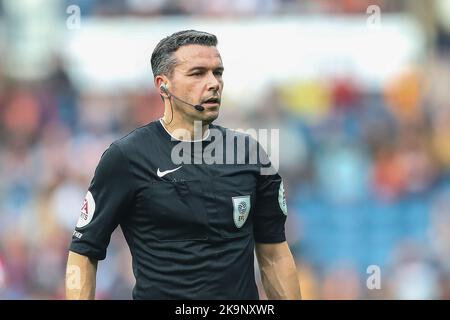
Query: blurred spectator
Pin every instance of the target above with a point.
(2, 276)
(341, 283)
(413, 275)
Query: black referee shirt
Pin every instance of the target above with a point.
(191, 228)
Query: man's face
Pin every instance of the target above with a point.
(197, 79)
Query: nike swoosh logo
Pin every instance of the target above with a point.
(163, 173)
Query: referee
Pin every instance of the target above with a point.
(192, 226)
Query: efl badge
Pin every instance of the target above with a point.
(241, 209)
(87, 210)
(282, 199)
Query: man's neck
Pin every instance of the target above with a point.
(181, 129)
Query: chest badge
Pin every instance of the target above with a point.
(241, 209)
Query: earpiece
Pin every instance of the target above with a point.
(164, 89)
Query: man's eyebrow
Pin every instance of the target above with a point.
(201, 68)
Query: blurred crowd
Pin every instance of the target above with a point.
(368, 182)
(367, 172)
(226, 8)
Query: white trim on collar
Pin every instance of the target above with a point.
(206, 135)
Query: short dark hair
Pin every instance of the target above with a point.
(163, 60)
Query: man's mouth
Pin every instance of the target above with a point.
(212, 101)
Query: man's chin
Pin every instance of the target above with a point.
(209, 116)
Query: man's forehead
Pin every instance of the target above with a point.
(198, 55)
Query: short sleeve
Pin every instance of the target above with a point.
(108, 197)
(271, 209)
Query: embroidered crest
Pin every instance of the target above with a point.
(87, 210)
(241, 209)
(282, 199)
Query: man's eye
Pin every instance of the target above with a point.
(196, 74)
(219, 73)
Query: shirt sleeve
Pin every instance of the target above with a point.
(108, 197)
(271, 209)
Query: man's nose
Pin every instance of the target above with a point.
(213, 82)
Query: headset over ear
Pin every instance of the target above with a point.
(163, 88)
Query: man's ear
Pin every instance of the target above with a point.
(161, 85)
